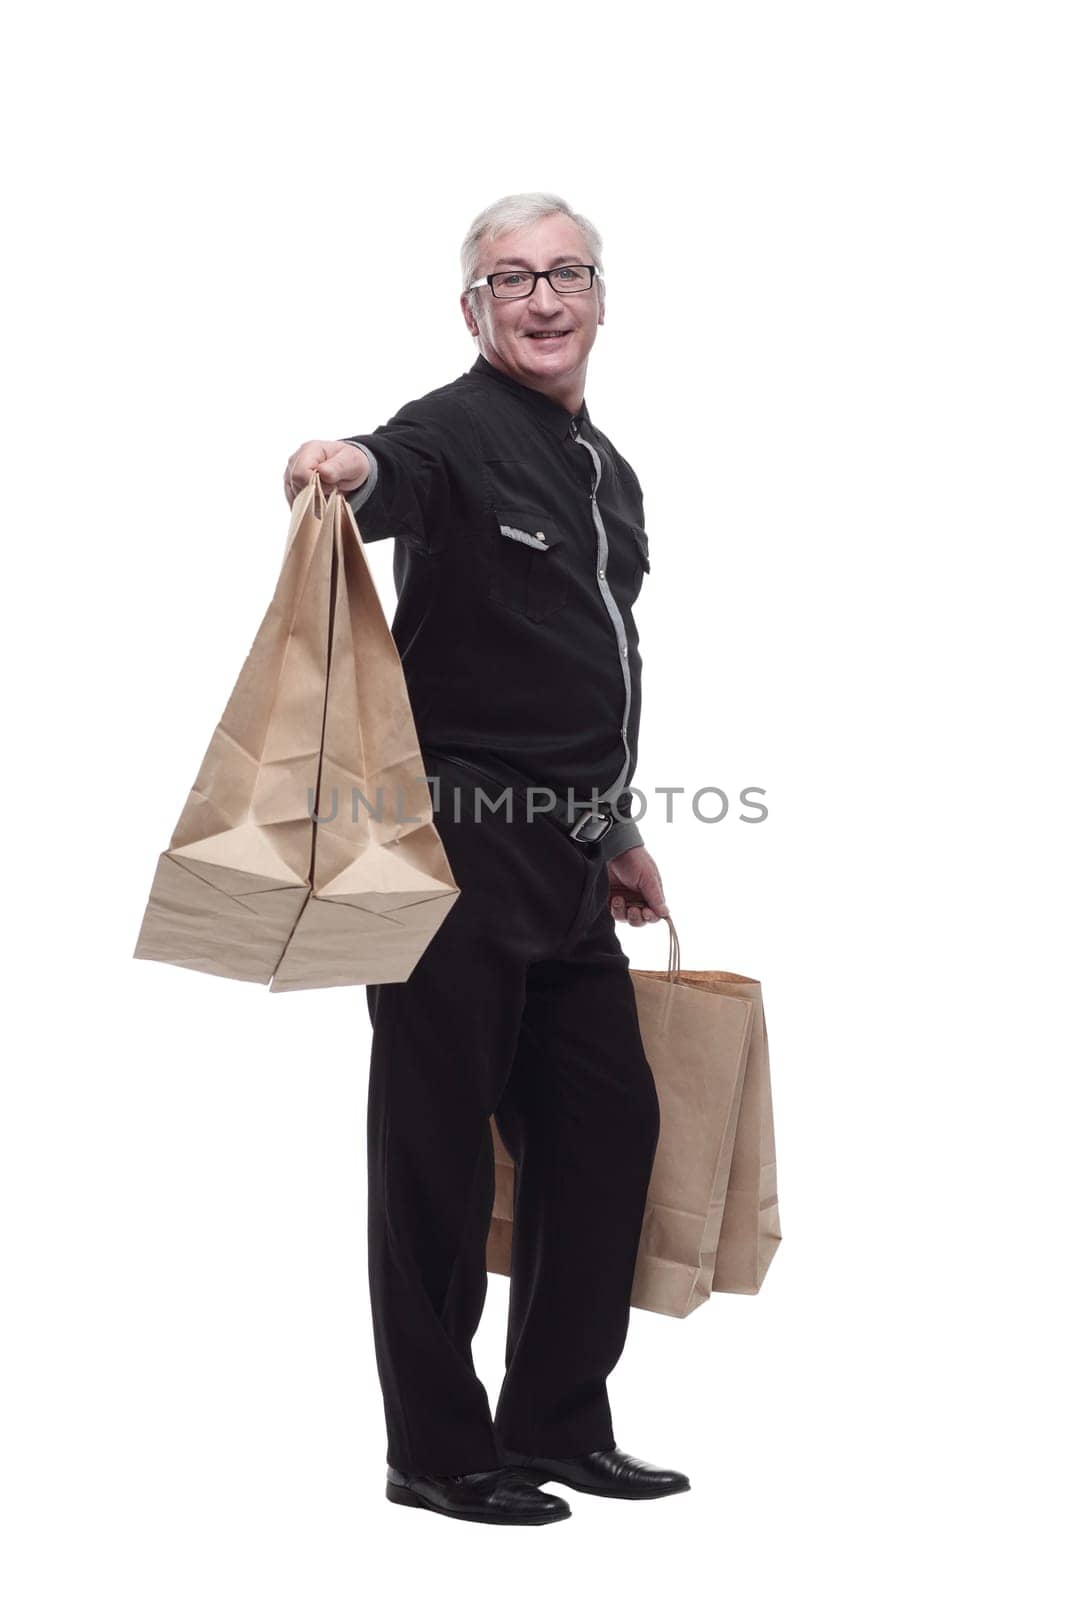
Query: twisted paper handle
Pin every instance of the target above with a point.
(315, 499)
(674, 965)
(314, 483)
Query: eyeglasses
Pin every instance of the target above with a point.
(517, 285)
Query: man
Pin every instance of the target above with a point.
(519, 551)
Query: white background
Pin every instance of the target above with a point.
(834, 353)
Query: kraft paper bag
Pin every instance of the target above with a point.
(711, 1217)
(306, 855)
(381, 884)
(736, 1249)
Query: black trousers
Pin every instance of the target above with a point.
(522, 1006)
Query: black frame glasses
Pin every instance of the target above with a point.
(490, 282)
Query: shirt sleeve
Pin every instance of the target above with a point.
(357, 497)
(416, 458)
(622, 835)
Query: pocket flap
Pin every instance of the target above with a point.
(641, 540)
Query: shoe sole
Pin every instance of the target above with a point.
(400, 1495)
(538, 1478)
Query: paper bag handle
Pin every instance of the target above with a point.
(674, 965)
(316, 500)
(674, 957)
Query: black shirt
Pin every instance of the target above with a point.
(520, 550)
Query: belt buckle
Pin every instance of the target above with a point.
(604, 817)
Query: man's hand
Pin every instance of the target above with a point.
(636, 893)
(339, 466)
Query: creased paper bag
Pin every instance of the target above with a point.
(306, 855)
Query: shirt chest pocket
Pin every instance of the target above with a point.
(526, 563)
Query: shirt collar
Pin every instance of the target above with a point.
(554, 416)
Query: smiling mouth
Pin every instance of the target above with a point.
(547, 338)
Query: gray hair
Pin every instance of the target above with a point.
(519, 211)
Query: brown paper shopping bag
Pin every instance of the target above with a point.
(711, 1217)
(306, 854)
(742, 1221)
(381, 884)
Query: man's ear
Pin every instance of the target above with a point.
(468, 314)
(601, 291)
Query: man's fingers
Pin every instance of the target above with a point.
(340, 465)
(624, 912)
(652, 893)
(334, 472)
(636, 913)
(308, 459)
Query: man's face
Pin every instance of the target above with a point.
(544, 340)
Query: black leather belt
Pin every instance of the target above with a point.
(580, 820)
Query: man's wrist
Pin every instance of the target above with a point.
(624, 834)
(359, 497)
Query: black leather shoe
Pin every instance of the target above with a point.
(610, 1472)
(499, 1495)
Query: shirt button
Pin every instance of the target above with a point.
(600, 572)
(538, 535)
(626, 649)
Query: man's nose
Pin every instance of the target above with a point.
(545, 297)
